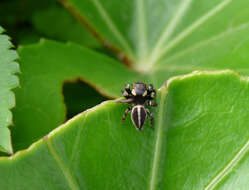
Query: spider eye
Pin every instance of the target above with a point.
(145, 93)
(133, 92)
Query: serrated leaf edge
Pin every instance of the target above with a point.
(10, 45)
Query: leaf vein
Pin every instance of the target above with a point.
(77, 139)
(169, 29)
(66, 172)
(223, 173)
(193, 27)
(142, 32)
(112, 27)
(203, 43)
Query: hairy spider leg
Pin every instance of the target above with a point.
(127, 91)
(150, 88)
(127, 88)
(125, 114)
(128, 101)
(152, 104)
(151, 92)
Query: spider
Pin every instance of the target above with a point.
(139, 96)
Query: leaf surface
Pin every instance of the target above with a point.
(8, 81)
(199, 142)
(45, 67)
(176, 36)
(201, 33)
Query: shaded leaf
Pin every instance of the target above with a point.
(14, 11)
(79, 96)
(15, 17)
(8, 81)
(57, 23)
(200, 141)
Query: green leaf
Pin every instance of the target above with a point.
(8, 81)
(55, 22)
(45, 67)
(174, 36)
(200, 141)
(205, 39)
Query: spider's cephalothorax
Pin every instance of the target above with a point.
(139, 96)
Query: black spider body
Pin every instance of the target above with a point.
(139, 96)
(138, 116)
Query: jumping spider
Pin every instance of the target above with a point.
(139, 96)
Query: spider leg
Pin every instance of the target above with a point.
(128, 101)
(151, 117)
(150, 88)
(151, 92)
(127, 91)
(125, 114)
(152, 104)
(127, 88)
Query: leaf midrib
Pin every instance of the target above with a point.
(169, 29)
(113, 28)
(158, 141)
(142, 29)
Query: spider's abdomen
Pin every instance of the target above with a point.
(138, 116)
